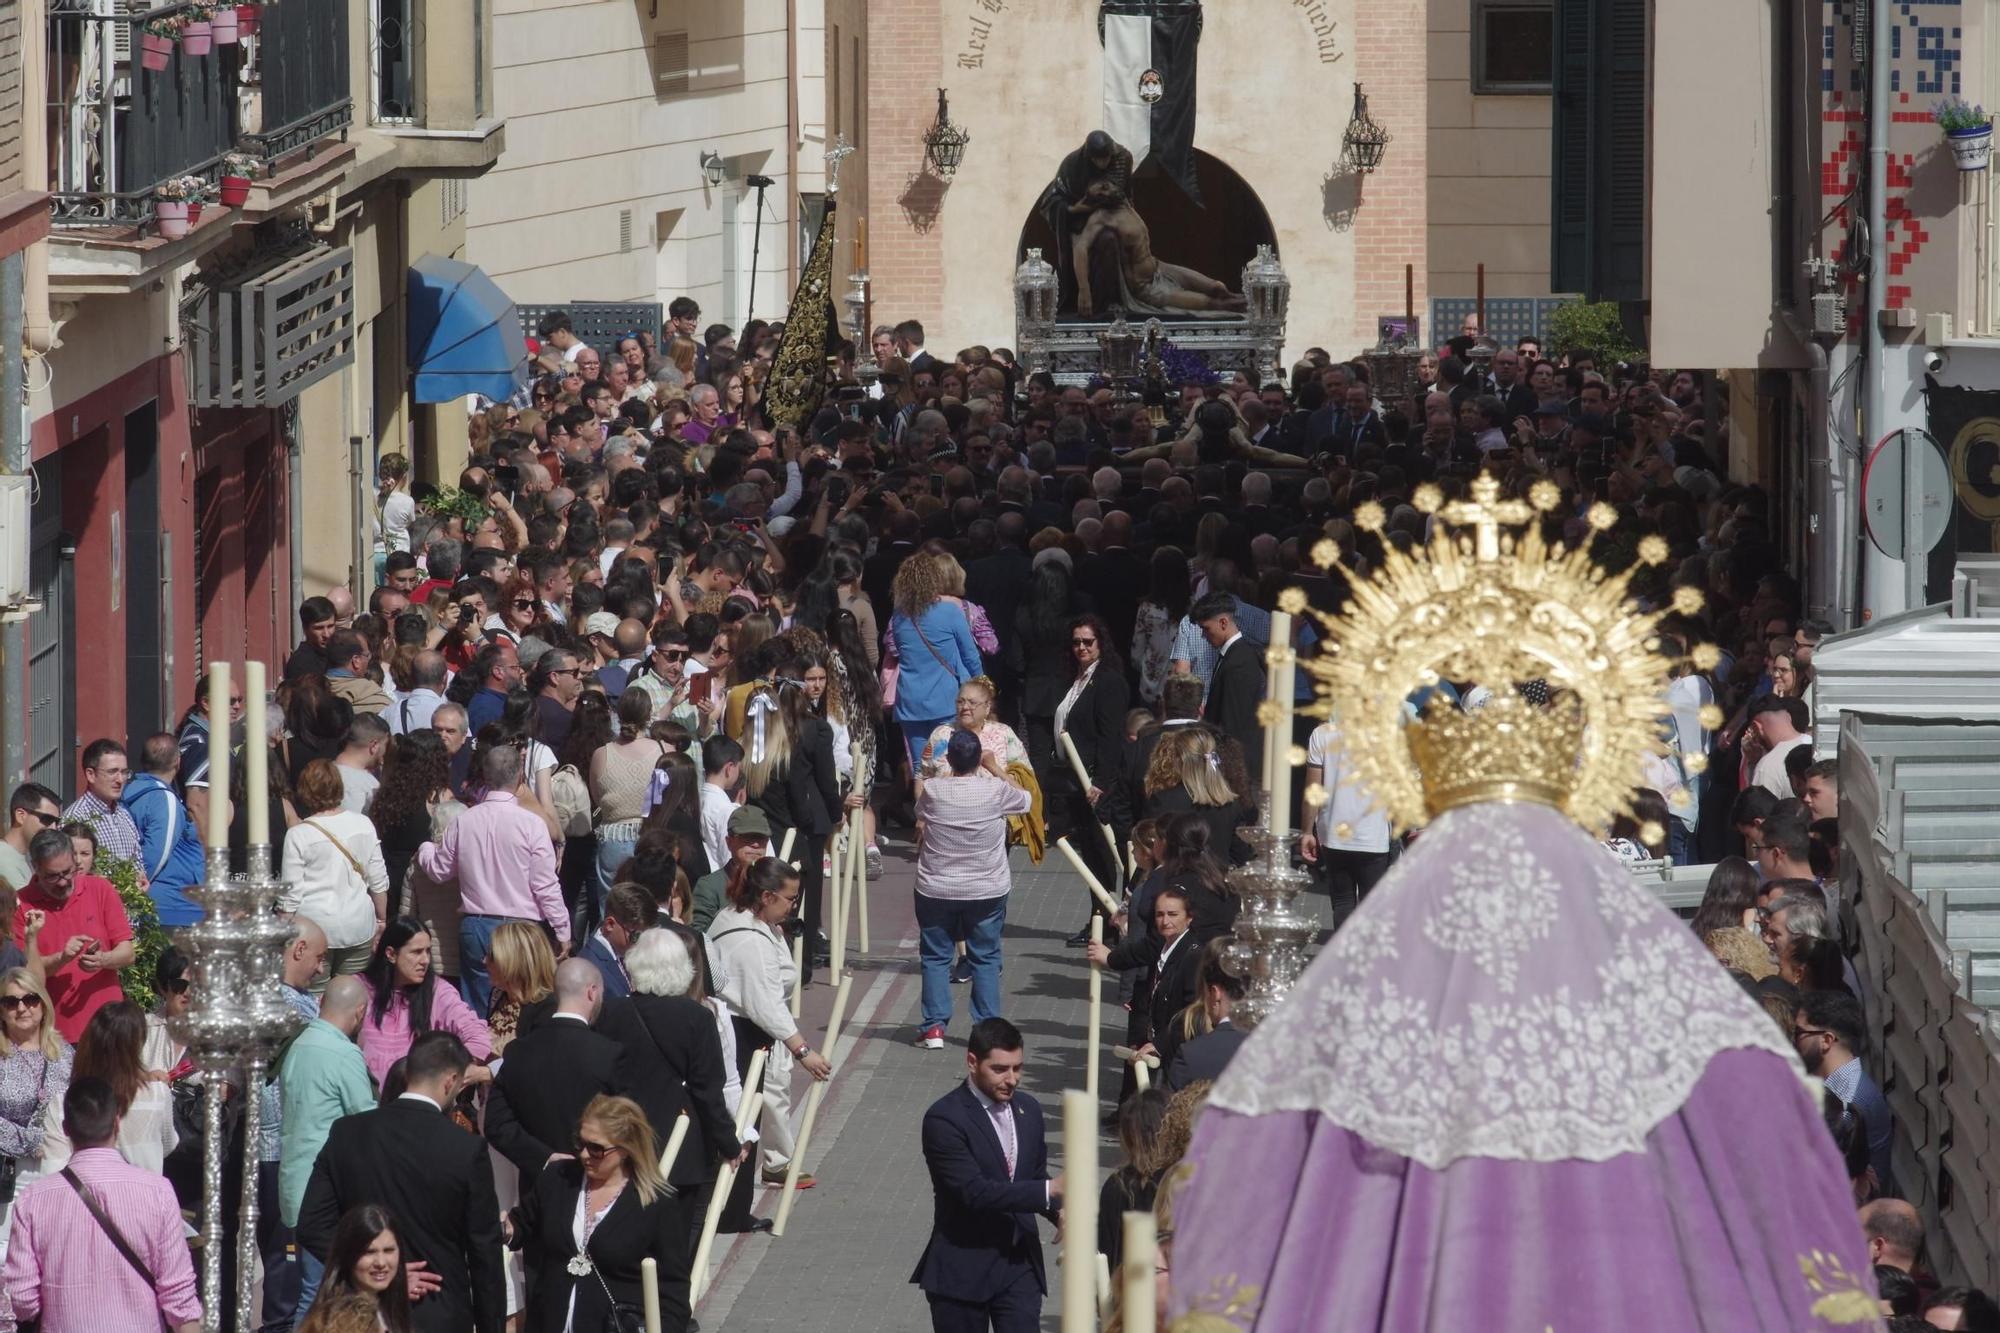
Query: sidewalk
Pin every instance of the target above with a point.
(844, 1264)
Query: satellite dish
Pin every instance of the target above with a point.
(1885, 504)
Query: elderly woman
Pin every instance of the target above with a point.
(747, 943)
(334, 872)
(1000, 748)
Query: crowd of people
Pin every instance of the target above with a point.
(555, 795)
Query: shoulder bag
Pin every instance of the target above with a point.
(340, 847)
(118, 1241)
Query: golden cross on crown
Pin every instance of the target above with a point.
(834, 156)
(1484, 513)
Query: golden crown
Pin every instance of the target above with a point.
(1572, 671)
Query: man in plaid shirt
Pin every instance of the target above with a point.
(106, 770)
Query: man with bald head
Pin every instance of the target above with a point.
(343, 605)
(550, 1074)
(628, 648)
(299, 970)
(426, 696)
(322, 1078)
(1895, 1234)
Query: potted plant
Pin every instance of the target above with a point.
(172, 203)
(198, 33)
(237, 169)
(156, 40)
(1969, 131)
(223, 25)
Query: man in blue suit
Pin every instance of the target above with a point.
(989, 1180)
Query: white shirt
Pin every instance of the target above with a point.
(1076, 689)
(321, 884)
(417, 708)
(1770, 773)
(716, 808)
(1348, 802)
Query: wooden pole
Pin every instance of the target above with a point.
(1480, 301)
(1094, 1025)
(1103, 1276)
(1079, 1258)
(673, 1148)
(857, 853)
(1409, 301)
(1142, 1075)
(813, 1098)
(746, 1116)
(1083, 776)
(1141, 1313)
(798, 970)
(836, 872)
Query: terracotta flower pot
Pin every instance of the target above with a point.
(194, 211)
(235, 191)
(197, 38)
(154, 50)
(224, 26)
(170, 218)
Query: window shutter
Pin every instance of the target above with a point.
(1597, 233)
(670, 63)
(1569, 177)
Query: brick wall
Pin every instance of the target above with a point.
(905, 46)
(1389, 224)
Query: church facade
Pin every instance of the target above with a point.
(1463, 180)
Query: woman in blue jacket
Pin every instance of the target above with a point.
(934, 647)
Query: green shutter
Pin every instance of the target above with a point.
(1598, 154)
(1569, 156)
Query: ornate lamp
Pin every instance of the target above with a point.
(713, 168)
(944, 142)
(1268, 293)
(1036, 291)
(1362, 144)
(1118, 351)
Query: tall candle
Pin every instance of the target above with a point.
(649, 1292)
(256, 755)
(1093, 1029)
(1141, 1243)
(217, 827)
(861, 245)
(1278, 735)
(1079, 1263)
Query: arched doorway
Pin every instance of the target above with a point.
(1218, 238)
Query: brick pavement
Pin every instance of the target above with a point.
(844, 1264)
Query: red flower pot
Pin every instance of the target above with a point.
(194, 211)
(153, 50)
(235, 191)
(197, 38)
(248, 17)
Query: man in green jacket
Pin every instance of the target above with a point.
(749, 841)
(323, 1077)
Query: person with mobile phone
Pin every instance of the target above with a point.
(85, 936)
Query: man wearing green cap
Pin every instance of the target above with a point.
(749, 839)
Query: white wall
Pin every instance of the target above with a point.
(589, 139)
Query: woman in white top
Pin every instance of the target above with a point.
(334, 872)
(747, 941)
(120, 1047)
(395, 510)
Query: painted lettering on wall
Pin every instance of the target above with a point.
(979, 29)
(1323, 27)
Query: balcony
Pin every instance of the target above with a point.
(260, 339)
(118, 130)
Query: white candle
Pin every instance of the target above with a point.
(256, 755)
(674, 1141)
(1141, 1244)
(649, 1291)
(1110, 903)
(1093, 1032)
(803, 1135)
(218, 755)
(1079, 1277)
(1278, 736)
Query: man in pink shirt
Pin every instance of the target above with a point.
(505, 865)
(82, 1237)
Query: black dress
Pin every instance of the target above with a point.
(631, 1231)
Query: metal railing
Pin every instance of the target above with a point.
(117, 129)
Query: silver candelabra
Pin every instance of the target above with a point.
(236, 1022)
(1272, 935)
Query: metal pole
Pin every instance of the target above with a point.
(14, 459)
(1883, 589)
(246, 1222)
(756, 244)
(211, 1201)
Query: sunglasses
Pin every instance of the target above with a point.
(676, 656)
(178, 986)
(588, 1149)
(524, 604)
(9, 1003)
(1083, 643)
(48, 821)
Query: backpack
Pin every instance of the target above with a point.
(572, 801)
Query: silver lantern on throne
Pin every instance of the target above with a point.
(1269, 294)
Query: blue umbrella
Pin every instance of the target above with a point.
(465, 336)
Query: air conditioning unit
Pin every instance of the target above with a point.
(16, 530)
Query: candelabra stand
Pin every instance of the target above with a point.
(1272, 935)
(237, 1019)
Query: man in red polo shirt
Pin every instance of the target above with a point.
(85, 937)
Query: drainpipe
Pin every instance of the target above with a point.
(13, 459)
(1826, 540)
(1882, 576)
(37, 333)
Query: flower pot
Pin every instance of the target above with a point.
(194, 212)
(170, 218)
(224, 26)
(235, 191)
(247, 19)
(1971, 149)
(196, 38)
(153, 50)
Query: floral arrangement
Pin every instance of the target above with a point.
(1180, 366)
(182, 188)
(165, 25)
(240, 164)
(199, 13)
(1955, 115)
(451, 502)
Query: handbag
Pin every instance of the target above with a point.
(118, 1241)
(620, 1317)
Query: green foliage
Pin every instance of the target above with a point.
(1594, 327)
(451, 502)
(147, 932)
(1954, 113)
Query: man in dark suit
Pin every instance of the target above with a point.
(550, 1075)
(878, 571)
(437, 1180)
(983, 1143)
(1206, 1056)
(1180, 706)
(1116, 579)
(1237, 686)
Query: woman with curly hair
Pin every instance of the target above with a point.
(934, 648)
(414, 781)
(520, 613)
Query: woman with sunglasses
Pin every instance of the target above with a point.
(592, 1221)
(34, 1073)
(521, 611)
(1091, 713)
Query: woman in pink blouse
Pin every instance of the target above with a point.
(405, 1000)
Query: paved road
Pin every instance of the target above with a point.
(843, 1265)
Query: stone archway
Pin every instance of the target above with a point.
(1217, 239)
